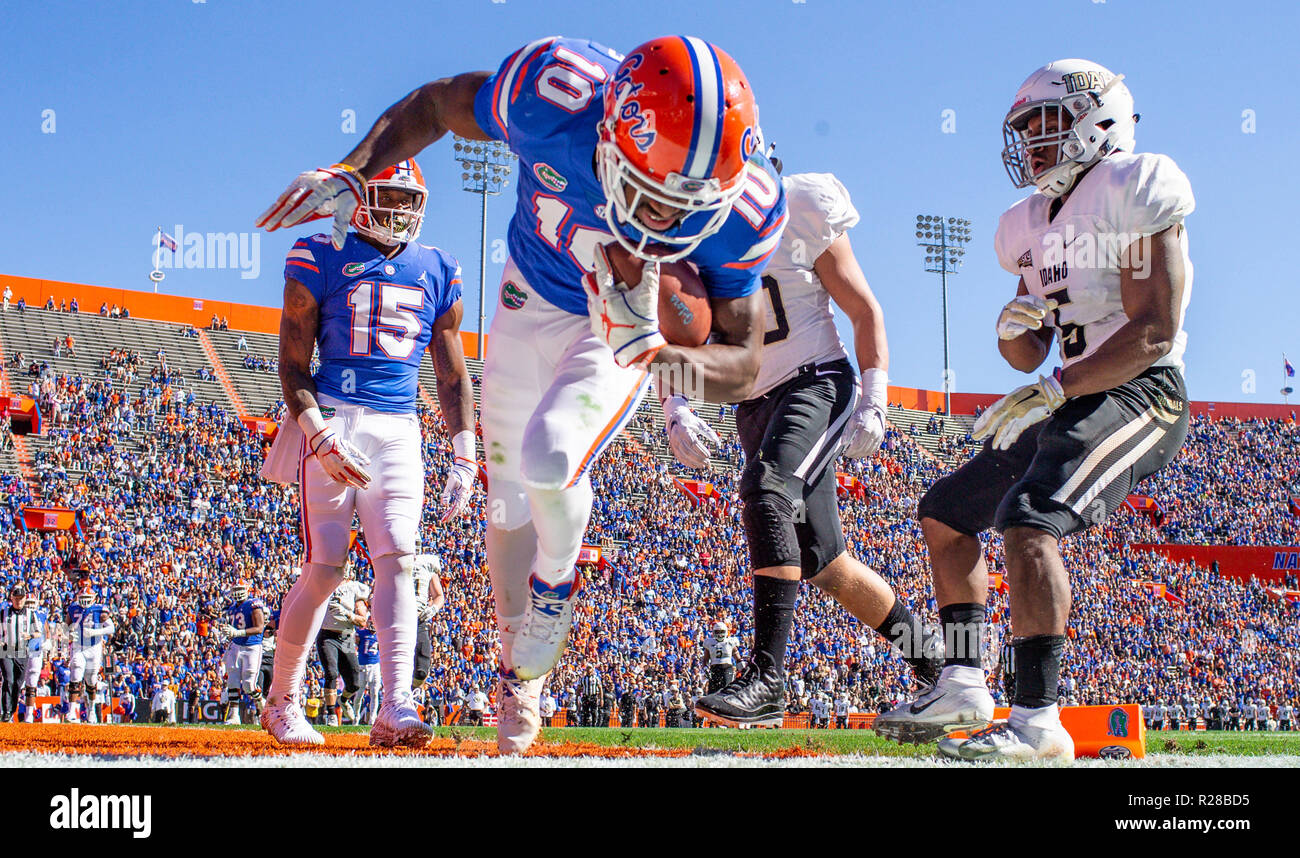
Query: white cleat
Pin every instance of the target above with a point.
(349, 715)
(332, 720)
(518, 718)
(399, 725)
(72, 717)
(287, 725)
(545, 628)
(1002, 741)
(955, 702)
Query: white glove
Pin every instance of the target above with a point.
(1023, 313)
(322, 192)
(229, 631)
(687, 433)
(458, 491)
(341, 460)
(1018, 410)
(625, 318)
(866, 427)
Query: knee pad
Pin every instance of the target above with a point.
(769, 528)
(507, 505)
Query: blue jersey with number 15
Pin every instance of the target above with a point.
(376, 315)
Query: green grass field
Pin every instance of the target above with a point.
(1245, 744)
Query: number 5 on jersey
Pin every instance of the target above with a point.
(382, 319)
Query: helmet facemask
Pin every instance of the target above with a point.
(391, 224)
(1088, 126)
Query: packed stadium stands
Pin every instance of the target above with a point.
(143, 437)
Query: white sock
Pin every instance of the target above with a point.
(510, 556)
(1043, 718)
(301, 615)
(560, 519)
(395, 619)
(507, 626)
(962, 674)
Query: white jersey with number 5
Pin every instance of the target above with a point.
(1074, 259)
(800, 325)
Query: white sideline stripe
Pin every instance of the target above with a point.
(1104, 449)
(1125, 462)
(707, 109)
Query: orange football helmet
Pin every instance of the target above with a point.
(86, 596)
(241, 590)
(680, 123)
(387, 224)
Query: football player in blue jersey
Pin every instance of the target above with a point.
(658, 151)
(88, 625)
(374, 301)
(244, 622)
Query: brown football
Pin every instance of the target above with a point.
(685, 316)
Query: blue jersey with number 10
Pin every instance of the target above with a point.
(376, 315)
(547, 101)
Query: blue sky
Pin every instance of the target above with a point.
(199, 113)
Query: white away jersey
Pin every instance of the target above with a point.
(1074, 259)
(721, 652)
(342, 603)
(800, 327)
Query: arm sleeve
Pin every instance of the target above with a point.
(304, 263)
(1155, 196)
(819, 211)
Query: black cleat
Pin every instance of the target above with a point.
(756, 698)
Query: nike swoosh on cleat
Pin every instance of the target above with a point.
(917, 710)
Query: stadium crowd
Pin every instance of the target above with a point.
(171, 510)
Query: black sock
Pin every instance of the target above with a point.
(1038, 670)
(774, 601)
(905, 632)
(963, 630)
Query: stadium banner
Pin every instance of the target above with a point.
(847, 484)
(1269, 563)
(50, 518)
(24, 416)
(264, 426)
(1114, 732)
(589, 554)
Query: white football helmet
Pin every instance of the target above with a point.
(720, 631)
(1093, 110)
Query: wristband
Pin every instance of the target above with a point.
(463, 445)
(312, 423)
(875, 388)
(349, 169)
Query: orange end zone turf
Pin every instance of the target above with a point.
(139, 741)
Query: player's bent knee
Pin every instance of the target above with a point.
(547, 469)
(768, 518)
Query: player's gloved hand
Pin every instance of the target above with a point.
(341, 460)
(459, 489)
(325, 191)
(866, 427)
(687, 433)
(229, 630)
(1023, 313)
(625, 318)
(1018, 410)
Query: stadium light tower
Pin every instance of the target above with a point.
(485, 167)
(945, 242)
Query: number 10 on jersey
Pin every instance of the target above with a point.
(382, 319)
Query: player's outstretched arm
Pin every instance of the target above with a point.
(838, 270)
(723, 370)
(456, 399)
(1027, 350)
(424, 115)
(1151, 288)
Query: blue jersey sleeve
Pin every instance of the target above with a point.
(541, 86)
(304, 263)
(453, 289)
(731, 261)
